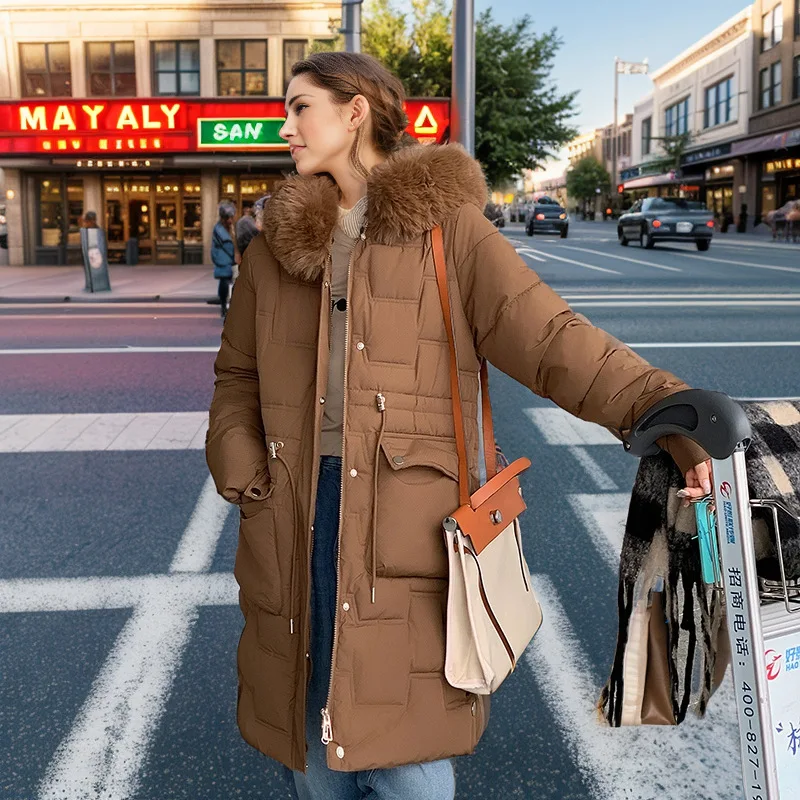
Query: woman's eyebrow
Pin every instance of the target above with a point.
(296, 97)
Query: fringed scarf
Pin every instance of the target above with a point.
(660, 554)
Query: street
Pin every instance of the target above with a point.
(118, 608)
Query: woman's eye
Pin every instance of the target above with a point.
(298, 108)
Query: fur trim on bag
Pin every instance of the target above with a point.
(660, 553)
(415, 189)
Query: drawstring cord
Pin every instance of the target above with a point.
(274, 448)
(381, 401)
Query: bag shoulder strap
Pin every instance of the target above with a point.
(455, 389)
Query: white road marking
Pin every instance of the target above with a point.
(526, 251)
(622, 258)
(601, 478)
(103, 754)
(559, 427)
(727, 261)
(549, 255)
(687, 294)
(662, 345)
(149, 314)
(635, 763)
(57, 351)
(603, 516)
(47, 433)
(685, 303)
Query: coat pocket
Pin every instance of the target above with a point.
(417, 489)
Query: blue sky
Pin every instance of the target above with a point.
(631, 29)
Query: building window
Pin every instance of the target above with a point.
(796, 78)
(176, 68)
(769, 84)
(45, 70)
(720, 104)
(796, 19)
(647, 132)
(293, 50)
(241, 67)
(111, 68)
(676, 119)
(771, 28)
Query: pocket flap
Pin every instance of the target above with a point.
(407, 451)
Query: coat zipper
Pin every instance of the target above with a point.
(327, 724)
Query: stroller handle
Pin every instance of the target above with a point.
(712, 419)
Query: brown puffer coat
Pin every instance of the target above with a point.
(389, 703)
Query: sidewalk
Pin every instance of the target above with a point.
(144, 284)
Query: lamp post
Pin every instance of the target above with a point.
(626, 68)
(462, 104)
(351, 25)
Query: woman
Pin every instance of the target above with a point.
(331, 427)
(223, 253)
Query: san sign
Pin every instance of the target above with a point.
(90, 126)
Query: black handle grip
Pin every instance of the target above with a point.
(712, 419)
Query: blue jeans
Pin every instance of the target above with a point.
(431, 781)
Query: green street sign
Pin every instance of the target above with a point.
(239, 132)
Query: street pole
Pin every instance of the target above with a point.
(614, 130)
(351, 17)
(462, 102)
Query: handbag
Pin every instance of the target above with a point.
(492, 610)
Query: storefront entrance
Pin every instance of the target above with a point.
(153, 219)
(58, 219)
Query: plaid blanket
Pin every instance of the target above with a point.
(660, 554)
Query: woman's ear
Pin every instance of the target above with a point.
(359, 112)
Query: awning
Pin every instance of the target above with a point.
(771, 142)
(652, 180)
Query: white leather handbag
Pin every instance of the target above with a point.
(492, 610)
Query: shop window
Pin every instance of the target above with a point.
(241, 67)
(112, 69)
(74, 211)
(647, 133)
(676, 118)
(767, 199)
(244, 190)
(45, 70)
(176, 68)
(51, 212)
(192, 222)
(294, 50)
(720, 105)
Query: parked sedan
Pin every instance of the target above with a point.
(666, 219)
(547, 216)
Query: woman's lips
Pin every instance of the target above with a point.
(294, 148)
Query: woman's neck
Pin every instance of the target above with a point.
(352, 186)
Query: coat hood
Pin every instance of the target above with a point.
(415, 189)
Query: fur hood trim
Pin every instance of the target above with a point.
(415, 189)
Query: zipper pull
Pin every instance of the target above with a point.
(381, 400)
(273, 449)
(327, 730)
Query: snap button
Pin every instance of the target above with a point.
(353, 473)
(322, 401)
(360, 346)
(340, 751)
(346, 606)
(398, 459)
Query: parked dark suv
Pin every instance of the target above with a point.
(547, 216)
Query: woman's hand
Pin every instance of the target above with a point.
(698, 482)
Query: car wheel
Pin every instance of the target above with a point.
(564, 232)
(647, 240)
(621, 236)
(703, 244)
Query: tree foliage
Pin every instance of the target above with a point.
(586, 177)
(520, 117)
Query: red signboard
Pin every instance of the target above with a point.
(116, 127)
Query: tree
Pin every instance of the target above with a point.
(586, 177)
(520, 118)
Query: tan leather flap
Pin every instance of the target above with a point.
(410, 451)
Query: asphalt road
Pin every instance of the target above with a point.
(118, 617)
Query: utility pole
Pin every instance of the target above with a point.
(351, 19)
(627, 68)
(462, 102)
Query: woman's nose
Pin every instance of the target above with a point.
(286, 130)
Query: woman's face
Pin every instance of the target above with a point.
(320, 133)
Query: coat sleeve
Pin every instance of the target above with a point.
(521, 326)
(235, 443)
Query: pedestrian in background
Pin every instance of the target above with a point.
(246, 228)
(258, 207)
(331, 428)
(223, 253)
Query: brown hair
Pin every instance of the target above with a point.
(345, 75)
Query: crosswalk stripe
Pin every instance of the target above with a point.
(603, 516)
(558, 427)
(47, 433)
(646, 763)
